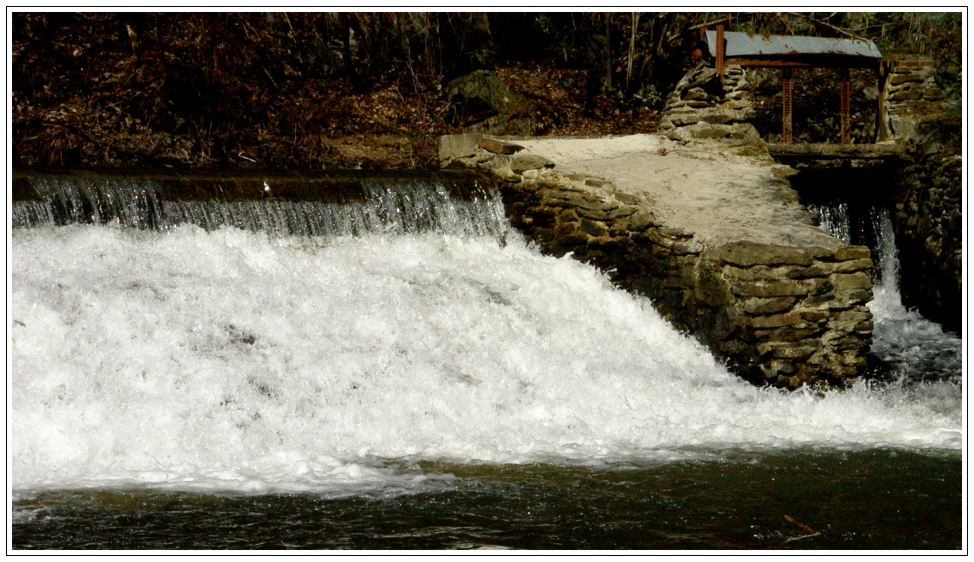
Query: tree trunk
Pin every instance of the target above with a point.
(632, 51)
(608, 51)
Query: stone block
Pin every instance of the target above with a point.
(851, 281)
(453, 147)
(749, 254)
(783, 288)
(905, 77)
(593, 228)
(789, 333)
(787, 350)
(845, 253)
(498, 147)
(523, 162)
(641, 220)
(767, 305)
(814, 315)
(849, 299)
(696, 94)
(777, 320)
(816, 270)
(852, 266)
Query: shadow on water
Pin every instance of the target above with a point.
(874, 499)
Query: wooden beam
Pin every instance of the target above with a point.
(829, 151)
(802, 62)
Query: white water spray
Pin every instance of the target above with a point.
(232, 360)
(916, 347)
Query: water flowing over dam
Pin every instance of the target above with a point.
(376, 347)
(337, 204)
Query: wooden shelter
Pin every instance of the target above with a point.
(789, 52)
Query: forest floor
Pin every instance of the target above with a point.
(325, 124)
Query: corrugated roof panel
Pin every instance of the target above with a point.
(739, 44)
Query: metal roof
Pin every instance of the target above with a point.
(739, 44)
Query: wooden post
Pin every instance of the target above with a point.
(787, 92)
(720, 50)
(845, 95)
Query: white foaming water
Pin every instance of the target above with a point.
(230, 360)
(833, 219)
(903, 336)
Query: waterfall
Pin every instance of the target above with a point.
(917, 348)
(246, 356)
(834, 219)
(238, 360)
(378, 205)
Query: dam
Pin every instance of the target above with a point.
(711, 231)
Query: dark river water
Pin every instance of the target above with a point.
(878, 499)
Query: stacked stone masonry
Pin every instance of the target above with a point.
(778, 315)
(702, 105)
(912, 95)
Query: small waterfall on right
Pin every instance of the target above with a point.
(917, 349)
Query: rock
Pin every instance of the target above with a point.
(593, 228)
(850, 266)
(851, 281)
(770, 289)
(741, 132)
(641, 220)
(597, 182)
(482, 93)
(696, 94)
(454, 147)
(699, 77)
(498, 147)
(749, 254)
(852, 253)
(777, 320)
(721, 115)
(523, 162)
(902, 78)
(767, 305)
(787, 350)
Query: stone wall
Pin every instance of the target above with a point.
(928, 217)
(702, 106)
(912, 95)
(929, 231)
(775, 314)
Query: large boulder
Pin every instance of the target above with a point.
(482, 102)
